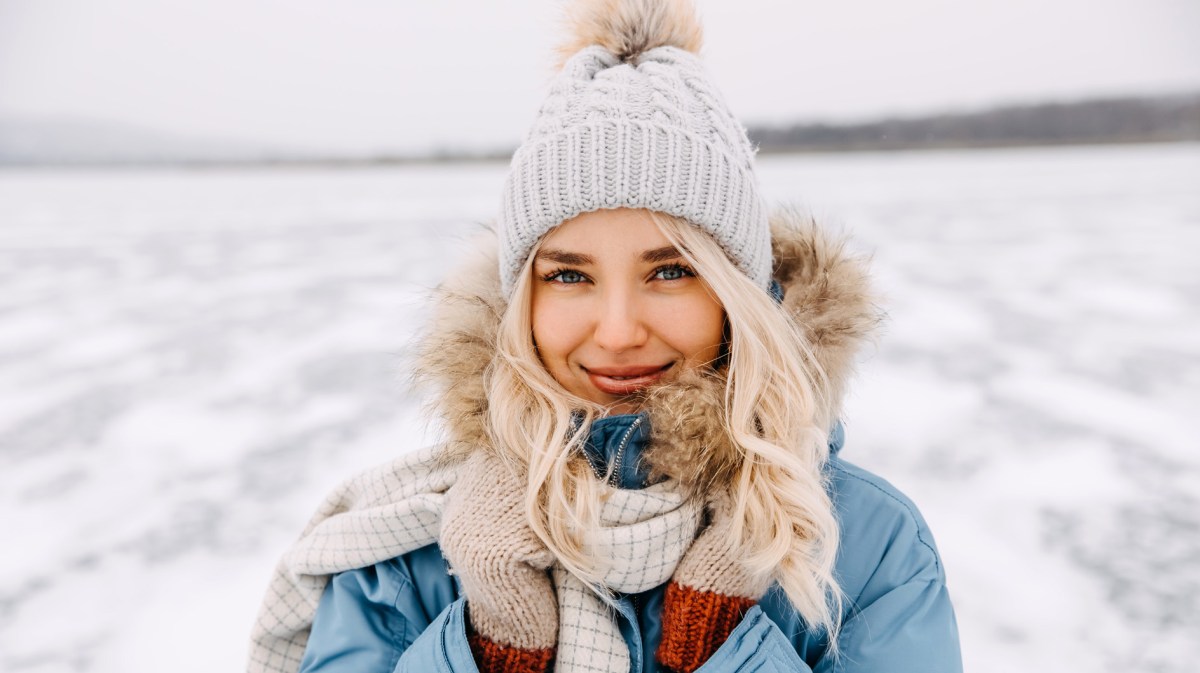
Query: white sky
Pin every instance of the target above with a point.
(380, 75)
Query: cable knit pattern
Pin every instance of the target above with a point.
(651, 134)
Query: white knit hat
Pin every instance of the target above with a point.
(645, 129)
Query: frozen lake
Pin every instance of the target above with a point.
(190, 360)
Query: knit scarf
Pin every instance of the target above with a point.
(397, 508)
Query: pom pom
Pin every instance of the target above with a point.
(629, 28)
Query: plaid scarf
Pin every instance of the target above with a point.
(396, 508)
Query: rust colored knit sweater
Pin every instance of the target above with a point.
(492, 657)
(695, 624)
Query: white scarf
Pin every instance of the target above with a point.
(397, 508)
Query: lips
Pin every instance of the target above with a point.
(625, 380)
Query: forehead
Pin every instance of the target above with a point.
(606, 233)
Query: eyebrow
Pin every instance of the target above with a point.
(564, 257)
(662, 254)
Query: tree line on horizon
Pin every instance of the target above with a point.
(1171, 118)
(1110, 120)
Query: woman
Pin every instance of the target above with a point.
(641, 473)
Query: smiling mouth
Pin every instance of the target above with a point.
(625, 380)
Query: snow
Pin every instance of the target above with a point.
(190, 360)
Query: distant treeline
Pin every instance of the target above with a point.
(50, 143)
(1113, 120)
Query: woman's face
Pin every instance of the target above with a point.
(616, 308)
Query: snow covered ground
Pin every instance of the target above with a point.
(190, 360)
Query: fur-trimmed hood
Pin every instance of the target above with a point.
(826, 291)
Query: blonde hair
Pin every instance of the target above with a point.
(777, 416)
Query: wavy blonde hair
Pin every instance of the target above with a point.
(776, 416)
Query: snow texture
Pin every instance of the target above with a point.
(190, 360)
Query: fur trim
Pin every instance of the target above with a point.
(456, 349)
(687, 420)
(629, 28)
(826, 291)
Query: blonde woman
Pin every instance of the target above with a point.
(640, 376)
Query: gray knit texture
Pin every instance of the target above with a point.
(655, 135)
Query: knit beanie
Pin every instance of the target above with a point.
(633, 120)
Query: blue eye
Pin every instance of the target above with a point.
(565, 276)
(673, 272)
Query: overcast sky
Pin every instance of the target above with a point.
(405, 75)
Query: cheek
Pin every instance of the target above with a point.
(713, 331)
(697, 329)
(552, 332)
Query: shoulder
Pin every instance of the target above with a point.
(884, 538)
(896, 611)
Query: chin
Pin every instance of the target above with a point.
(622, 407)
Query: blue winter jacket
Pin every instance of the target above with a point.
(407, 614)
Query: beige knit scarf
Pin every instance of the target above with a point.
(397, 508)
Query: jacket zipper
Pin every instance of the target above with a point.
(615, 477)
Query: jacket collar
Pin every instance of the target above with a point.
(616, 446)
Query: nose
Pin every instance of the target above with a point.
(619, 323)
